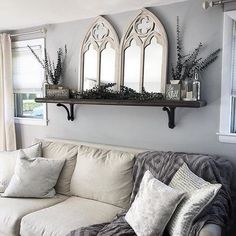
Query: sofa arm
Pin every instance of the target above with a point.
(211, 230)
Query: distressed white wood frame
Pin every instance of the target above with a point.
(99, 44)
(143, 40)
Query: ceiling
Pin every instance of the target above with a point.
(18, 14)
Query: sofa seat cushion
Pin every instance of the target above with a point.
(13, 209)
(61, 219)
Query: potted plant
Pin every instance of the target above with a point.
(189, 66)
(54, 73)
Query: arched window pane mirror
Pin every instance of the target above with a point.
(99, 55)
(90, 67)
(144, 54)
(108, 64)
(132, 65)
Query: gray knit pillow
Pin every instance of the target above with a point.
(199, 194)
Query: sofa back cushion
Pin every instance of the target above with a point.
(103, 175)
(67, 152)
(8, 162)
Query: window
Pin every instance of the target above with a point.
(28, 77)
(233, 92)
(228, 85)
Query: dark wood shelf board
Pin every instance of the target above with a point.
(168, 105)
(158, 103)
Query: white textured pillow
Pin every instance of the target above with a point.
(8, 162)
(34, 177)
(153, 206)
(199, 194)
(103, 175)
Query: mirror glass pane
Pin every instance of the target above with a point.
(108, 60)
(153, 66)
(132, 62)
(90, 68)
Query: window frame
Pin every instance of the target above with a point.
(29, 120)
(225, 132)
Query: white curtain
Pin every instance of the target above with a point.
(7, 126)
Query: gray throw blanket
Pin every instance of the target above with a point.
(163, 166)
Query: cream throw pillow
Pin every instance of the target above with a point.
(153, 206)
(34, 177)
(103, 175)
(8, 162)
(64, 151)
(199, 194)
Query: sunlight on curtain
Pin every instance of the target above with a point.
(7, 126)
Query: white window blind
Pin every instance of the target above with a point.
(28, 74)
(234, 60)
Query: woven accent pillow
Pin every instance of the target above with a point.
(200, 193)
(153, 206)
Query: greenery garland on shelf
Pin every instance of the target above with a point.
(106, 92)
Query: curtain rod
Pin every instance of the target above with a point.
(207, 4)
(43, 30)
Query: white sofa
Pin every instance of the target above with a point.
(99, 201)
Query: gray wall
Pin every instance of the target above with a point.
(230, 6)
(142, 127)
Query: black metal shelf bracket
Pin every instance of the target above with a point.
(171, 116)
(70, 113)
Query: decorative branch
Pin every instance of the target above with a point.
(188, 65)
(53, 73)
(37, 57)
(179, 52)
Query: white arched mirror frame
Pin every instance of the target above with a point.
(156, 30)
(99, 43)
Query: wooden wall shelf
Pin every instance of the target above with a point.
(168, 105)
